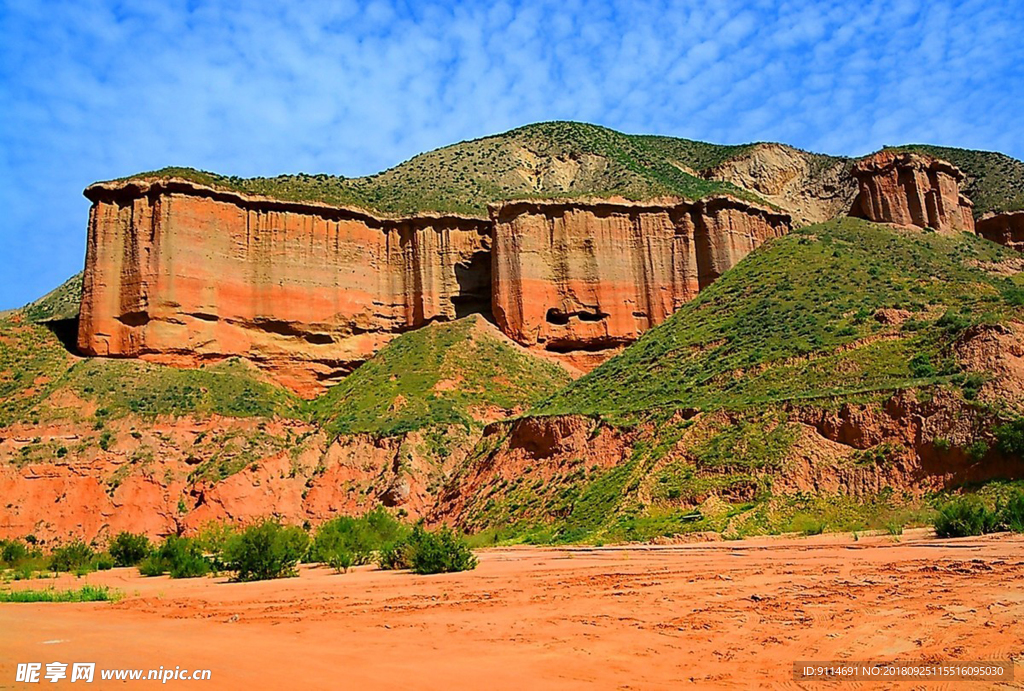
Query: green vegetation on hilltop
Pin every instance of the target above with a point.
(60, 303)
(780, 324)
(436, 375)
(995, 182)
(544, 160)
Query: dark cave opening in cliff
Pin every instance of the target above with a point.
(474, 279)
(66, 331)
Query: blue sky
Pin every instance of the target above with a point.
(96, 89)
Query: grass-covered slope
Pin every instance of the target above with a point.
(40, 381)
(799, 319)
(544, 160)
(437, 375)
(995, 182)
(60, 303)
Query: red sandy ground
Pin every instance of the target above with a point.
(710, 615)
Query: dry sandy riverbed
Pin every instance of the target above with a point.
(727, 614)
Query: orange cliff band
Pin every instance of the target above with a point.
(181, 273)
(911, 189)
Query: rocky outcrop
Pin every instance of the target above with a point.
(811, 188)
(1005, 228)
(175, 475)
(178, 272)
(584, 278)
(911, 189)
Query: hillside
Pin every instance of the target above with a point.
(880, 306)
(59, 304)
(444, 374)
(843, 377)
(544, 160)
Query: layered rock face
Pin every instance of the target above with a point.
(581, 279)
(177, 272)
(911, 189)
(810, 188)
(1005, 228)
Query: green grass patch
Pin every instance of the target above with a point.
(87, 593)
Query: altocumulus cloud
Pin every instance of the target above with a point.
(94, 89)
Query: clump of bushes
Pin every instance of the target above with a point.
(74, 557)
(969, 516)
(265, 550)
(128, 549)
(429, 552)
(180, 557)
(347, 541)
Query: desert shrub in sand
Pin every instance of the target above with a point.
(213, 538)
(265, 550)
(964, 517)
(178, 556)
(428, 552)
(128, 549)
(75, 556)
(12, 552)
(1011, 514)
(347, 541)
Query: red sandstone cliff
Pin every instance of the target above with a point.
(178, 272)
(1005, 228)
(911, 189)
(584, 278)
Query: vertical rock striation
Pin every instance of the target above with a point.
(911, 189)
(584, 278)
(179, 273)
(1006, 228)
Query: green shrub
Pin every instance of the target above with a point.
(74, 557)
(1010, 437)
(212, 538)
(128, 549)
(12, 552)
(425, 552)
(1011, 515)
(178, 556)
(442, 552)
(104, 562)
(345, 541)
(266, 550)
(963, 517)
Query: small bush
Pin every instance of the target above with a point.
(345, 542)
(212, 539)
(894, 528)
(128, 549)
(178, 556)
(12, 552)
(1010, 437)
(963, 517)
(74, 557)
(266, 550)
(425, 553)
(1011, 515)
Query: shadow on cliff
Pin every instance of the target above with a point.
(66, 331)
